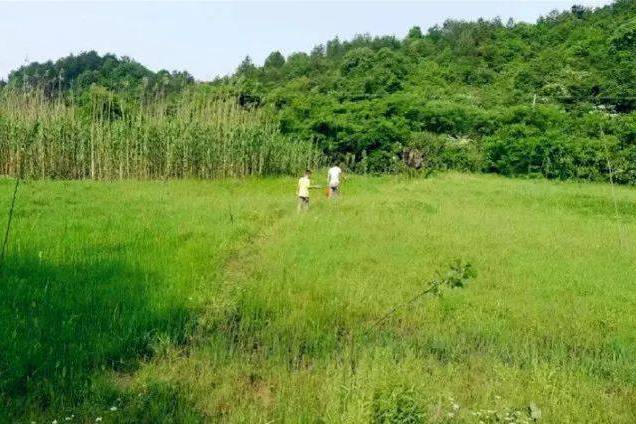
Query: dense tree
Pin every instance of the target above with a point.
(505, 89)
(274, 60)
(414, 33)
(80, 72)
(246, 67)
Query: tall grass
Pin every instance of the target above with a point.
(100, 136)
(98, 276)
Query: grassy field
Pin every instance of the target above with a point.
(207, 301)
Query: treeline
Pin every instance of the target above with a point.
(555, 98)
(77, 73)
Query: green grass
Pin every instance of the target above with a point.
(215, 301)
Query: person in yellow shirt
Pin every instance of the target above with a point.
(304, 184)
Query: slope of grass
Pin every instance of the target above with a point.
(284, 324)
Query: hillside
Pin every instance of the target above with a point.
(368, 99)
(78, 73)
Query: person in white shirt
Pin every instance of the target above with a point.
(304, 184)
(333, 179)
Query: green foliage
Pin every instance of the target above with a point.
(427, 150)
(624, 38)
(370, 97)
(80, 72)
(274, 60)
(522, 149)
(458, 275)
(415, 33)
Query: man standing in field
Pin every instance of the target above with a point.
(333, 179)
(304, 184)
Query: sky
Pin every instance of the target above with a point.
(209, 39)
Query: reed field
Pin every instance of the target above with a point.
(103, 137)
(215, 301)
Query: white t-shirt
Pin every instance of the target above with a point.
(334, 176)
(303, 187)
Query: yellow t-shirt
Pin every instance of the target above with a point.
(303, 187)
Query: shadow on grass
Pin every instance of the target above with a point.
(61, 323)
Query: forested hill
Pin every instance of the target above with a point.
(79, 72)
(473, 81)
(555, 98)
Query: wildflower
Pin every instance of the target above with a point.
(54, 422)
(113, 408)
(98, 419)
(455, 406)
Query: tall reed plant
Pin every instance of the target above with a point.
(102, 136)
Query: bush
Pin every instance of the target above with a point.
(463, 154)
(447, 118)
(624, 37)
(431, 151)
(520, 149)
(377, 162)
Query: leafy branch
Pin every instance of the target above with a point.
(458, 275)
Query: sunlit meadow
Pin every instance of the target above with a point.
(208, 301)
